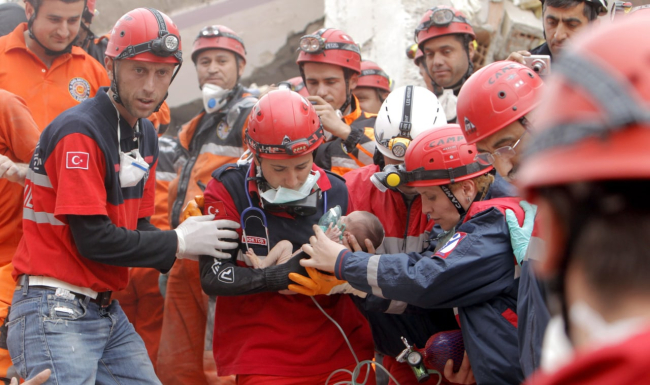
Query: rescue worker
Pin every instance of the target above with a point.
(372, 88)
(78, 240)
(406, 228)
(96, 46)
(587, 169)
(296, 84)
(446, 39)
(39, 62)
(494, 109)
(472, 270)
(18, 137)
(413, 52)
(213, 138)
(561, 20)
(330, 65)
(277, 196)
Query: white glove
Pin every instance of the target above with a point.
(202, 236)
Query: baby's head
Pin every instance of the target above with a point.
(364, 225)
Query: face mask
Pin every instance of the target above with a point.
(214, 97)
(285, 195)
(448, 102)
(132, 166)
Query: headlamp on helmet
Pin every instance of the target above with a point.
(442, 17)
(412, 51)
(312, 43)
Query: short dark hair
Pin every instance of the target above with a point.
(607, 234)
(590, 11)
(369, 227)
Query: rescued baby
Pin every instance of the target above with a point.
(356, 226)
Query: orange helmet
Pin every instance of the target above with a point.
(145, 34)
(221, 37)
(330, 46)
(442, 20)
(440, 156)
(282, 125)
(373, 76)
(495, 96)
(593, 122)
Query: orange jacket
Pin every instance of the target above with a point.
(209, 141)
(18, 137)
(72, 78)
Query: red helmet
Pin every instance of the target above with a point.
(495, 96)
(282, 125)
(330, 46)
(442, 20)
(373, 76)
(440, 156)
(145, 34)
(593, 121)
(218, 36)
(89, 11)
(298, 86)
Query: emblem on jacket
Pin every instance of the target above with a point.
(79, 89)
(223, 129)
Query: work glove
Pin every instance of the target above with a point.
(321, 283)
(193, 208)
(520, 236)
(203, 236)
(277, 276)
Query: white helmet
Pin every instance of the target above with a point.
(406, 112)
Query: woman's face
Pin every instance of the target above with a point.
(438, 207)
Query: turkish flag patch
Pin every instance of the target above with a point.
(218, 209)
(75, 159)
(450, 245)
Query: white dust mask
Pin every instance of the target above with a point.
(132, 166)
(285, 195)
(214, 97)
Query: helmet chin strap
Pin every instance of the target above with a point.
(48, 51)
(445, 189)
(116, 92)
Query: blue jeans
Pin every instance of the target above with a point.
(77, 340)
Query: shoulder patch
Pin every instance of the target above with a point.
(450, 245)
(218, 209)
(75, 159)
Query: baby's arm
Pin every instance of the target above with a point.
(283, 252)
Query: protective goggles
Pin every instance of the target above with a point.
(213, 31)
(315, 44)
(291, 148)
(441, 17)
